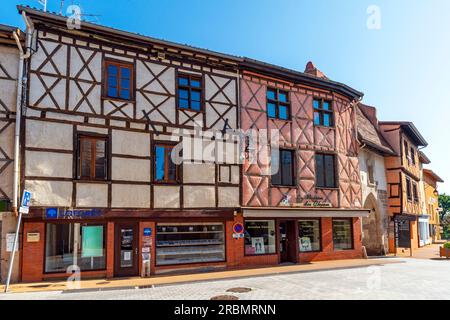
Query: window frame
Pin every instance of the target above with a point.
(321, 111)
(277, 104)
(293, 166)
(415, 192)
(166, 166)
(320, 234)
(276, 236)
(336, 182)
(189, 88)
(105, 83)
(413, 155)
(78, 152)
(82, 223)
(352, 234)
(409, 195)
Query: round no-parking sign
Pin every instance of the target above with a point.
(238, 228)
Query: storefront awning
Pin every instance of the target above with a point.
(280, 212)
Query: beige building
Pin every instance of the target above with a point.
(9, 64)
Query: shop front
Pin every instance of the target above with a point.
(424, 230)
(58, 243)
(294, 236)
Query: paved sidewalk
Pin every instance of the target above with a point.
(127, 283)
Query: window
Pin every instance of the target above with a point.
(325, 171)
(408, 189)
(181, 243)
(415, 193)
(74, 244)
(413, 156)
(323, 113)
(342, 234)
(92, 158)
(309, 235)
(260, 237)
(283, 165)
(119, 80)
(408, 159)
(278, 106)
(165, 170)
(189, 92)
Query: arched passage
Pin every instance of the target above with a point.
(372, 235)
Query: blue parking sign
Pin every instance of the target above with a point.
(26, 199)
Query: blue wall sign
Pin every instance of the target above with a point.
(56, 213)
(147, 232)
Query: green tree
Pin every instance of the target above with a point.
(444, 203)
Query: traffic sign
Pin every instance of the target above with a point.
(25, 205)
(238, 228)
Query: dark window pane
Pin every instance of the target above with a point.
(320, 174)
(86, 158)
(283, 112)
(112, 70)
(316, 104)
(342, 234)
(195, 105)
(271, 110)
(329, 171)
(287, 164)
(183, 81)
(282, 97)
(260, 237)
(172, 170)
(326, 105)
(112, 92)
(159, 163)
(276, 167)
(271, 94)
(195, 83)
(316, 118)
(195, 95)
(125, 73)
(326, 120)
(100, 163)
(309, 235)
(183, 104)
(183, 94)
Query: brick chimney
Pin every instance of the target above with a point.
(312, 70)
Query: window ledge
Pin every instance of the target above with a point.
(328, 188)
(118, 99)
(320, 126)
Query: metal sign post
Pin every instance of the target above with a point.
(24, 208)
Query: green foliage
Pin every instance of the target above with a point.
(447, 245)
(444, 203)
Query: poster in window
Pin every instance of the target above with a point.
(305, 244)
(258, 245)
(92, 241)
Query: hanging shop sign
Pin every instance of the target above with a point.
(61, 213)
(310, 201)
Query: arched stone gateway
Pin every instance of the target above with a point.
(372, 237)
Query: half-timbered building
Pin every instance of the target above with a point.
(310, 208)
(145, 156)
(105, 111)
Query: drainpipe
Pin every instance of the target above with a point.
(21, 81)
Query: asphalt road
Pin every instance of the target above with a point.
(408, 279)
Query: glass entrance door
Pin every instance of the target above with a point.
(126, 250)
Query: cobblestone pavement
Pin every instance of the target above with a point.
(408, 279)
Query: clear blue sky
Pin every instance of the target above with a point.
(403, 68)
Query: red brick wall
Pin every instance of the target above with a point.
(33, 253)
(110, 250)
(328, 252)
